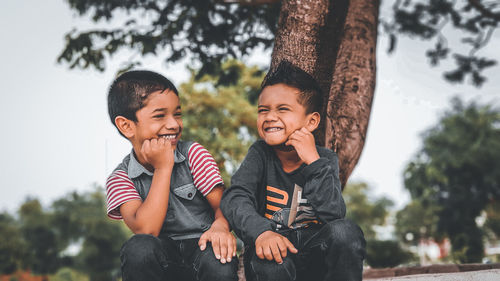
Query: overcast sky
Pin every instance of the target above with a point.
(56, 136)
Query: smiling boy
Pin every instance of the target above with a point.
(285, 200)
(166, 190)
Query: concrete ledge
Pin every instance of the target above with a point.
(431, 269)
(436, 272)
(482, 275)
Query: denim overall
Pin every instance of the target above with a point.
(188, 213)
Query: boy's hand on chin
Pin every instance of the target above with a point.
(303, 142)
(223, 242)
(273, 246)
(158, 153)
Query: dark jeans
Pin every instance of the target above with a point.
(334, 251)
(149, 258)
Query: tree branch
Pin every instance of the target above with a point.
(483, 10)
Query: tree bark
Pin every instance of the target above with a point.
(334, 41)
(351, 95)
(298, 38)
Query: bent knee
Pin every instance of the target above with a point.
(345, 232)
(210, 268)
(140, 248)
(222, 272)
(270, 270)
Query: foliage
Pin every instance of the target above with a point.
(68, 274)
(417, 221)
(208, 31)
(12, 247)
(368, 212)
(386, 254)
(365, 210)
(211, 31)
(217, 112)
(493, 217)
(458, 170)
(39, 240)
(474, 20)
(82, 217)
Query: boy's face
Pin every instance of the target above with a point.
(160, 118)
(280, 114)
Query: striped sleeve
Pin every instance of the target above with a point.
(205, 172)
(119, 190)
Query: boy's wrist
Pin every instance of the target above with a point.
(311, 159)
(221, 222)
(163, 170)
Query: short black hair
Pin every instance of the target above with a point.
(310, 95)
(129, 91)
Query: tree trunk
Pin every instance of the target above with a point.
(335, 42)
(351, 94)
(301, 26)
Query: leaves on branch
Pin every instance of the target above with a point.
(207, 31)
(474, 19)
(469, 65)
(213, 31)
(439, 53)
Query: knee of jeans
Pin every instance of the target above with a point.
(270, 270)
(210, 268)
(346, 233)
(140, 248)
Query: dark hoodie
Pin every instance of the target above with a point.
(261, 187)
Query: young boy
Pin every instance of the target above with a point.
(166, 190)
(285, 200)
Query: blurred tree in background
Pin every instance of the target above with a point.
(493, 218)
(82, 219)
(43, 243)
(417, 221)
(370, 213)
(386, 253)
(73, 235)
(458, 170)
(219, 112)
(366, 211)
(68, 274)
(12, 246)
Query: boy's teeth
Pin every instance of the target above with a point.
(169, 136)
(273, 129)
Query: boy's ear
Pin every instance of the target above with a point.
(313, 121)
(125, 126)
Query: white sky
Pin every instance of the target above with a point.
(56, 131)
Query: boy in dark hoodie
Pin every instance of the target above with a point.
(285, 200)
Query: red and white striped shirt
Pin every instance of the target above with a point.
(120, 188)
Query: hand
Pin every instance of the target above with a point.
(303, 142)
(158, 153)
(223, 242)
(271, 245)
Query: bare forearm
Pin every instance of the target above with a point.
(213, 199)
(151, 214)
(220, 220)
